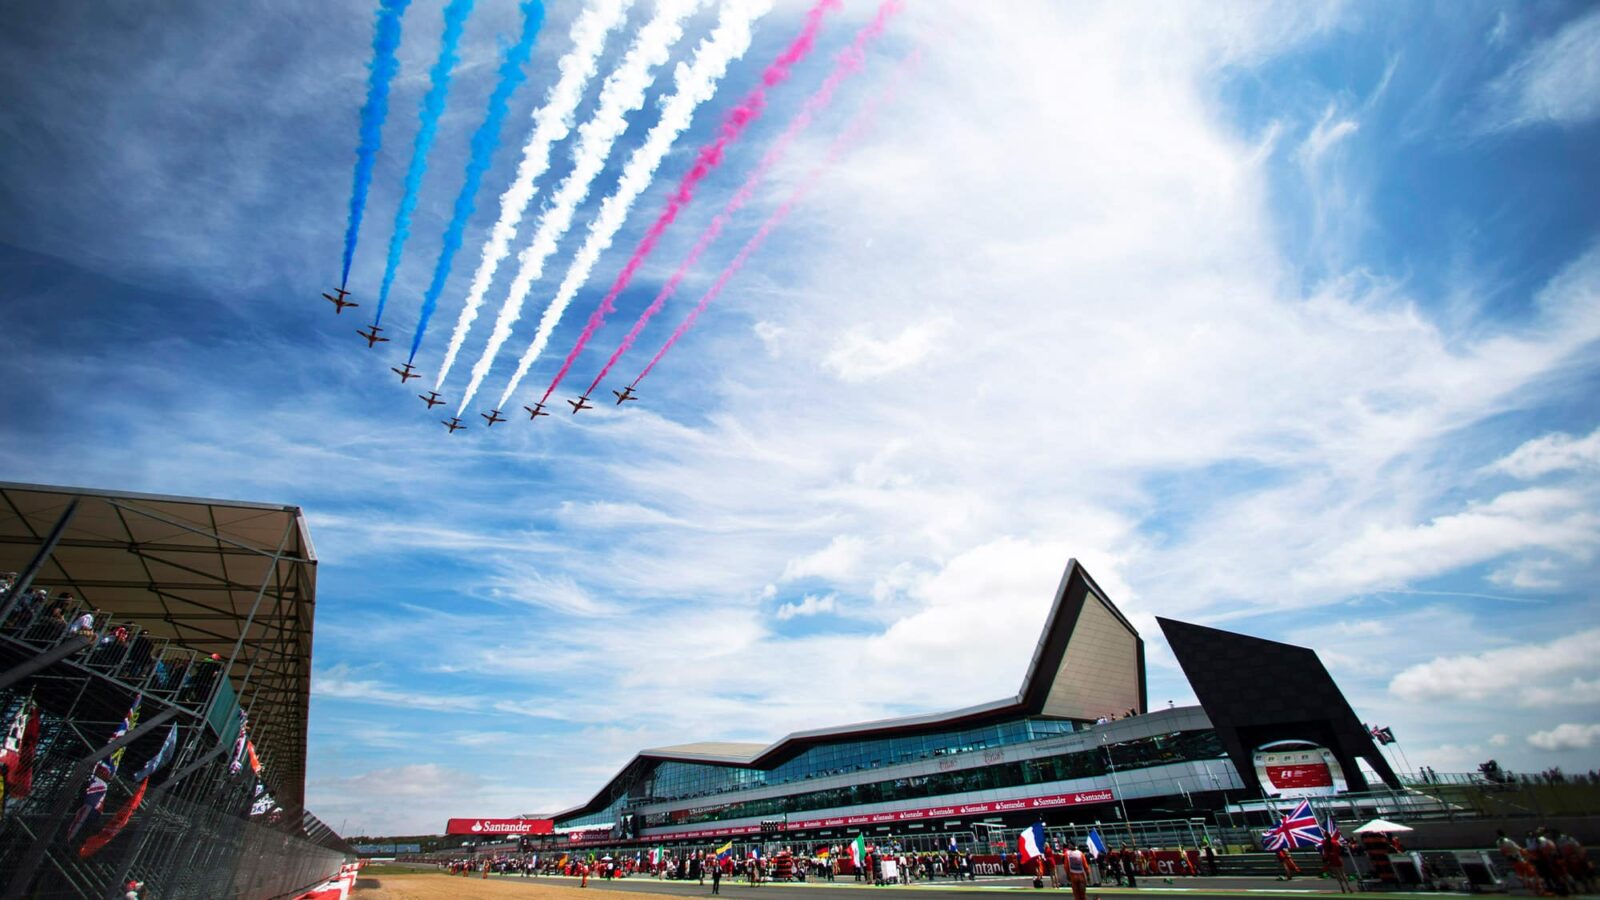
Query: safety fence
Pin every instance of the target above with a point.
(116, 771)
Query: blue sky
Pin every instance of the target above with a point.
(1280, 317)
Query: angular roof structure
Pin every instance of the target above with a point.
(1089, 660)
(215, 576)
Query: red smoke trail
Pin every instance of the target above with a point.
(849, 62)
(858, 125)
(706, 161)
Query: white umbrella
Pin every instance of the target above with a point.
(1381, 825)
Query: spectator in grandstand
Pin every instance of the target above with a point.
(203, 675)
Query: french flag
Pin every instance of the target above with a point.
(1030, 843)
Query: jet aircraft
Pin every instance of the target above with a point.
(580, 403)
(493, 416)
(405, 373)
(454, 424)
(431, 398)
(625, 394)
(371, 334)
(535, 411)
(339, 302)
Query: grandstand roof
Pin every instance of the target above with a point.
(211, 575)
(1089, 660)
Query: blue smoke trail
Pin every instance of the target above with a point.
(455, 20)
(385, 41)
(484, 142)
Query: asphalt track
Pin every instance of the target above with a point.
(1242, 888)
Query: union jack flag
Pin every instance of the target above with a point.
(1298, 829)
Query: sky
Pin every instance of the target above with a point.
(1279, 317)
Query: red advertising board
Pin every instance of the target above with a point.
(1305, 775)
(505, 827)
(1049, 801)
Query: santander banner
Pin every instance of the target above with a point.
(499, 826)
(1049, 801)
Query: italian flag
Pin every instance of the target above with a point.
(858, 851)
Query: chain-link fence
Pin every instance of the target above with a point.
(97, 795)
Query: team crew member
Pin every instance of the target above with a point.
(1333, 862)
(1077, 871)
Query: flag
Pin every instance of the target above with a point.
(94, 796)
(250, 753)
(1332, 829)
(162, 757)
(1384, 735)
(725, 851)
(655, 856)
(103, 837)
(824, 853)
(1298, 829)
(952, 843)
(1095, 844)
(1030, 842)
(237, 763)
(21, 746)
(858, 851)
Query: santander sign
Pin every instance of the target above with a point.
(499, 826)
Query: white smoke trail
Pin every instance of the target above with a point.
(551, 123)
(624, 92)
(695, 83)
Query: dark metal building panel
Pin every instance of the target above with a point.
(1257, 691)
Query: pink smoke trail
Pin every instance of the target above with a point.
(706, 161)
(859, 124)
(849, 62)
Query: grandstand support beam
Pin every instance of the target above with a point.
(22, 880)
(244, 631)
(25, 577)
(44, 660)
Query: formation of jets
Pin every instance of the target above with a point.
(339, 302)
(372, 334)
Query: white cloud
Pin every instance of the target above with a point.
(1548, 519)
(1324, 136)
(1528, 575)
(771, 337)
(1562, 671)
(862, 358)
(1552, 453)
(338, 682)
(810, 605)
(1499, 740)
(1566, 736)
(839, 561)
(1557, 81)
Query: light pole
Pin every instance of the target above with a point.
(1117, 788)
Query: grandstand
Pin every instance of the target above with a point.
(190, 620)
